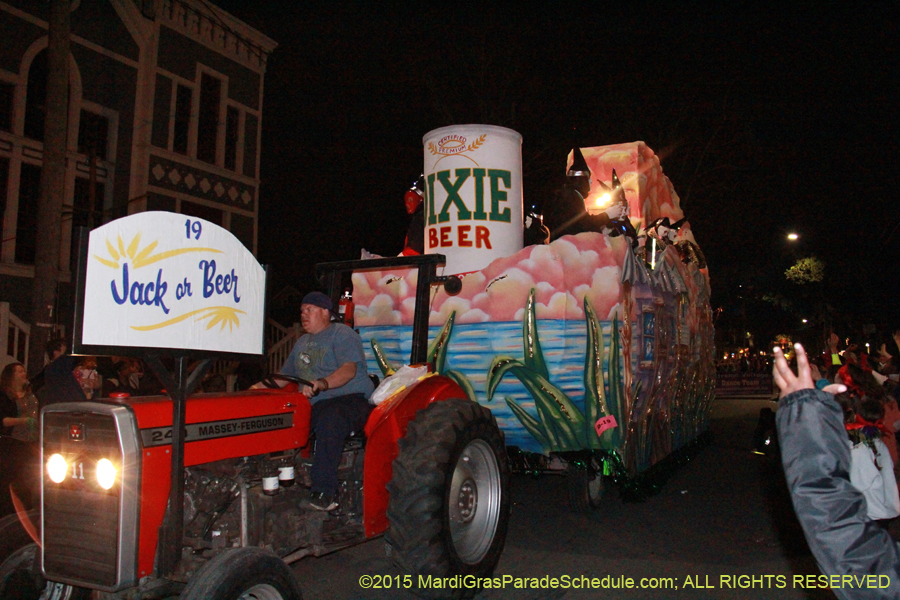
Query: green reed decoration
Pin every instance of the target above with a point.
(381, 358)
(560, 426)
(437, 356)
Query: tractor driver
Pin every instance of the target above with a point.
(330, 355)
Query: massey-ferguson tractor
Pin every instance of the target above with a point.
(429, 472)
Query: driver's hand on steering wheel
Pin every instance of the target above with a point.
(274, 381)
(319, 385)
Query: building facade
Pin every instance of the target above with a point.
(165, 112)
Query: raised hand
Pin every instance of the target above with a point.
(789, 383)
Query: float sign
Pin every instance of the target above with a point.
(164, 280)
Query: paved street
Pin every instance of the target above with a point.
(726, 513)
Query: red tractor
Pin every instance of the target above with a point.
(429, 472)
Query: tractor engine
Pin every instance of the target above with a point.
(274, 519)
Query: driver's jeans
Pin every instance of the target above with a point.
(332, 420)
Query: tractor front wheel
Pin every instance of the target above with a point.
(21, 579)
(243, 574)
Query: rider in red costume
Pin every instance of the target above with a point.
(415, 207)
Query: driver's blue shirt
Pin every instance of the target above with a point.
(318, 355)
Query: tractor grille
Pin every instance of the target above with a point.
(89, 533)
(81, 534)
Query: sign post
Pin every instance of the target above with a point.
(182, 385)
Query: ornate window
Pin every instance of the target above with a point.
(26, 224)
(208, 117)
(183, 99)
(36, 97)
(232, 124)
(648, 337)
(7, 92)
(93, 135)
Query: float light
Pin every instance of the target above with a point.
(793, 236)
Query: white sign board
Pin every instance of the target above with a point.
(164, 280)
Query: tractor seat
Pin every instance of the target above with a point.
(356, 437)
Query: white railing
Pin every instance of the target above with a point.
(279, 342)
(15, 335)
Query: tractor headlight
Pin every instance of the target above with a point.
(57, 468)
(106, 473)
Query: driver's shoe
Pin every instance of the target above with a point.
(320, 501)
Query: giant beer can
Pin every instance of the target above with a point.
(473, 195)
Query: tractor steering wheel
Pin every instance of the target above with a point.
(270, 380)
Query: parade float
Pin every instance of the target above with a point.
(595, 346)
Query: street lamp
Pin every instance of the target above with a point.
(793, 237)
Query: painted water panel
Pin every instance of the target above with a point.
(551, 381)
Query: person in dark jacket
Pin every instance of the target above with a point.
(60, 384)
(54, 349)
(816, 458)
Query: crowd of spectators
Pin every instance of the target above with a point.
(871, 415)
(65, 378)
(837, 423)
(743, 363)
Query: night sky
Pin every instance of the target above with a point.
(767, 119)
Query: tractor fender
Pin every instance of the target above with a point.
(386, 425)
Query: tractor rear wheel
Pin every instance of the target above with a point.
(449, 495)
